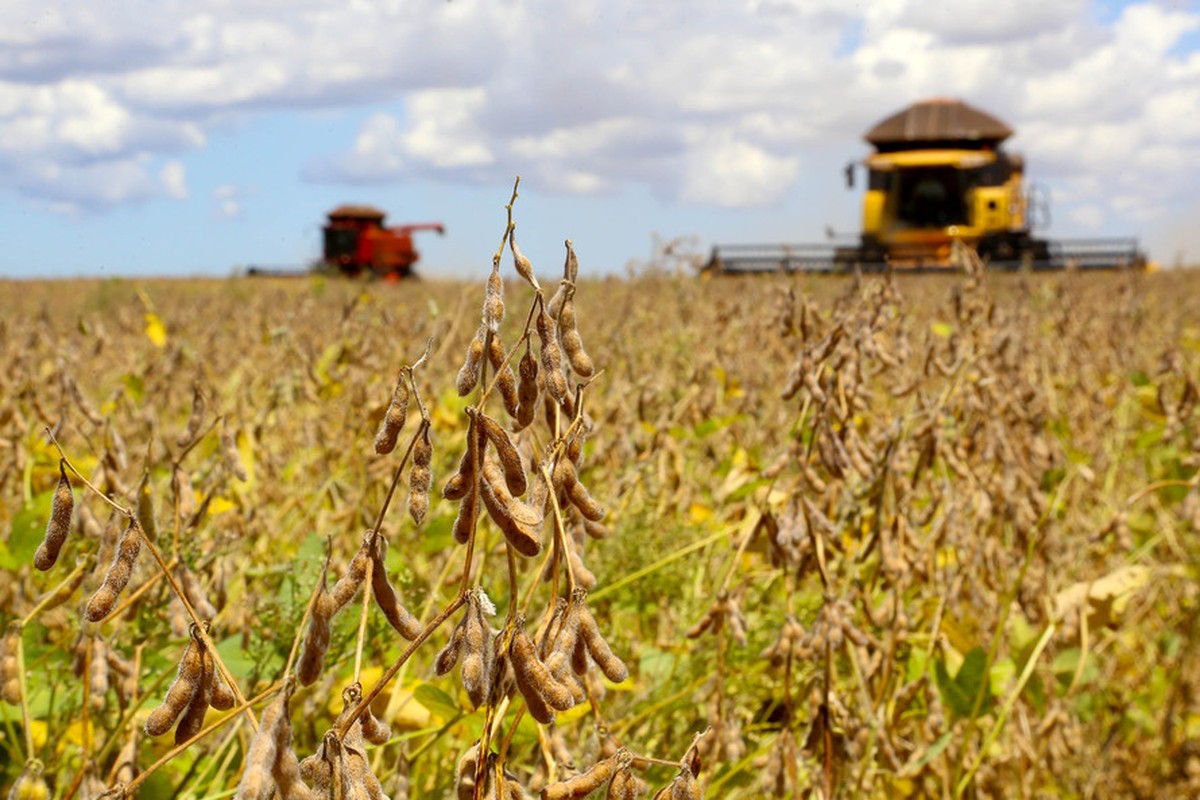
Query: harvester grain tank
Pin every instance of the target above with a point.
(357, 242)
(939, 174)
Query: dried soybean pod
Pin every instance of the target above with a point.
(506, 451)
(222, 697)
(579, 496)
(115, 580)
(566, 478)
(572, 342)
(30, 785)
(317, 770)
(555, 303)
(397, 615)
(185, 686)
(193, 716)
(623, 785)
(685, 786)
(195, 593)
(518, 522)
(571, 265)
(468, 511)
(421, 477)
(393, 418)
(579, 657)
(115, 445)
(374, 730)
(584, 577)
(257, 781)
(594, 529)
(347, 586)
(185, 495)
(556, 382)
(532, 675)
(467, 767)
(551, 627)
(505, 379)
(581, 786)
(195, 420)
(521, 264)
(316, 641)
(10, 665)
(468, 374)
(362, 782)
(527, 390)
(88, 524)
(229, 448)
(589, 633)
(478, 656)
(568, 631)
(97, 674)
(59, 524)
(287, 771)
(535, 703)
(493, 300)
(460, 482)
(447, 657)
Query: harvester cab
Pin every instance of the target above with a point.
(938, 175)
(357, 242)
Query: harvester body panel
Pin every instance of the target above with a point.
(939, 175)
(356, 242)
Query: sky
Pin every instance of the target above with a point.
(198, 137)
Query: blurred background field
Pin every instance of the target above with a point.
(1002, 477)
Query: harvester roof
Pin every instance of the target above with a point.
(356, 212)
(938, 121)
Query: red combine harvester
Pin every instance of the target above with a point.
(356, 242)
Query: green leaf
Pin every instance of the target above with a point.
(960, 692)
(437, 701)
(747, 489)
(934, 750)
(29, 528)
(239, 664)
(135, 386)
(711, 425)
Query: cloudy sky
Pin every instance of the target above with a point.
(194, 136)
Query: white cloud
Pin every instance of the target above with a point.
(446, 132)
(990, 21)
(174, 179)
(1088, 216)
(710, 102)
(732, 172)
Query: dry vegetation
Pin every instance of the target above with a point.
(794, 537)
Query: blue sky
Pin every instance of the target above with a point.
(196, 136)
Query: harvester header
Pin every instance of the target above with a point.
(938, 174)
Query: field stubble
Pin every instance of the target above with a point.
(881, 538)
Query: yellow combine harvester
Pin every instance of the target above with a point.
(939, 174)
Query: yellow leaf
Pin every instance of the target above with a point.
(942, 330)
(405, 712)
(947, 557)
(698, 512)
(155, 330)
(220, 505)
(1105, 597)
(75, 734)
(246, 451)
(38, 730)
